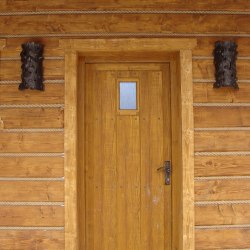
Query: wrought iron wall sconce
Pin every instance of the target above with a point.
(225, 55)
(32, 66)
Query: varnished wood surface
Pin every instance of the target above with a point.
(53, 94)
(31, 239)
(13, 47)
(210, 117)
(204, 92)
(28, 5)
(31, 191)
(187, 149)
(95, 47)
(204, 69)
(212, 141)
(39, 216)
(11, 70)
(53, 118)
(205, 45)
(124, 197)
(222, 238)
(222, 165)
(32, 167)
(70, 148)
(17, 118)
(211, 190)
(162, 23)
(222, 214)
(31, 142)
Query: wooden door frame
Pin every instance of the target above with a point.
(181, 117)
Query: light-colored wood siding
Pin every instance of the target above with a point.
(37, 154)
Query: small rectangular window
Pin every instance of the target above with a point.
(127, 95)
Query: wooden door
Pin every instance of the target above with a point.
(127, 204)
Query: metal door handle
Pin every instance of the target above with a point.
(167, 169)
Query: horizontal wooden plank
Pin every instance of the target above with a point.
(222, 215)
(29, 5)
(235, 238)
(162, 23)
(49, 42)
(53, 93)
(11, 70)
(31, 240)
(204, 92)
(32, 191)
(205, 45)
(213, 141)
(13, 47)
(204, 69)
(238, 189)
(31, 118)
(39, 216)
(222, 239)
(209, 117)
(14, 52)
(31, 142)
(32, 167)
(221, 165)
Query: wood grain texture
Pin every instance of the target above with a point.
(222, 190)
(31, 167)
(213, 141)
(11, 43)
(31, 191)
(53, 94)
(209, 117)
(126, 184)
(29, 5)
(13, 47)
(155, 145)
(31, 142)
(176, 152)
(11, 70)
(12, 118)
(14, 52)
(70, 150)
(222, 215)
(222, 165)
(187, 149)
(39, 216)
(97, 47)
(162, 23)
(204, 92)
(81, 175)
(221, 239)
(204, 69)
(32, 240)
(205, 45)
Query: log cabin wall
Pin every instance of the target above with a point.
(31, 122)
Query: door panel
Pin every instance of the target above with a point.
(127, 204)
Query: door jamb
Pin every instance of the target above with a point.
(182, 126)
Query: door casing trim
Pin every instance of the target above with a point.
(181, 121)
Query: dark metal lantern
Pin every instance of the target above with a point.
(32, 66)
(225, 55)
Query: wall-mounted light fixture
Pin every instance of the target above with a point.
(32, 66)
(225, 55)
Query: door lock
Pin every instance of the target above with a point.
(167, 169)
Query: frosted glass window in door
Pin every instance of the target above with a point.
(128, 96)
